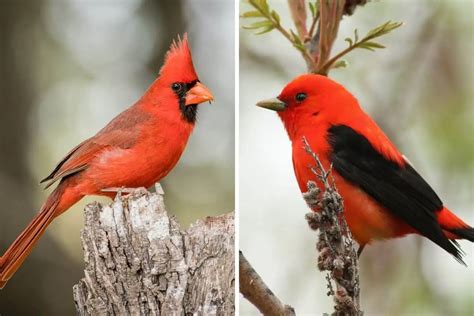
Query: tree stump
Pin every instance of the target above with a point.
(139, 262)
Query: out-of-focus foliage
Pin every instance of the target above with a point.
(67, 68)
(419, 90)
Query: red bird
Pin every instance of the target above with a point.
(384, 197)
(136, 149)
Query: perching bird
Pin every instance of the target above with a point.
(384, 197)
(136, 149)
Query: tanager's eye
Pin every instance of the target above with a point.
(177, 86)
(300, 96)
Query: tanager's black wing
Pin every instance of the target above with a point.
(400, 189)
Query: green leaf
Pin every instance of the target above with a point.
(370, 45)
(356, 35)
(297, 41)
(264, 6)
(276, 16)
(368, 48)
(376, 31)
(265, 30)
(374, 45)
(312, 8)
(296, 38)
(383, 29)
(340, 64)
(251, 14)
(300, 47)
(348, 40)
(258, 25)
(261, 5)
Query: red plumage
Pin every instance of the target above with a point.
(136, 149)
(384, 197)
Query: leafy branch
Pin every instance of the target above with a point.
(365, 43)
(315, 42)
(270, 20)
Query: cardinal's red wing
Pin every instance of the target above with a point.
(122, 132)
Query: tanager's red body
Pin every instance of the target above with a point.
(384, 197)
(136, 149)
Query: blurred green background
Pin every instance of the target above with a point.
(67, 67)
(420, 90)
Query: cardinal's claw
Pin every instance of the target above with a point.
(159, 189)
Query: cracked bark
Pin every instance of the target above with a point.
(139, 262)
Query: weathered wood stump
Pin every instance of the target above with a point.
(139, 262)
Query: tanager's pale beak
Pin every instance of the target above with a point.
(272, 104)
(198, 94)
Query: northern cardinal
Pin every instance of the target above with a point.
(384, 197)
(136, 149)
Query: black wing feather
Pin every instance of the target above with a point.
(400, 189)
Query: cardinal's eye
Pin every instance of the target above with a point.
(300, 96)
(177, 86)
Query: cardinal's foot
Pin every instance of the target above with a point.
(119, 191)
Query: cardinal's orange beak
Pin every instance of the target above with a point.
(198, 94)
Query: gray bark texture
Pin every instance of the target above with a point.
(139, 262)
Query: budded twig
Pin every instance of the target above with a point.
(337, 254)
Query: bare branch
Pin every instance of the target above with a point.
(256, 291)
(330, 16)
(298, 14)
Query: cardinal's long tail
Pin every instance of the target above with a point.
(59, 201)
(454, 227)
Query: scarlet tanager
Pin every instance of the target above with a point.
(384, 197)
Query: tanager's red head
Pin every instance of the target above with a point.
(178, 85)
(310, 97)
